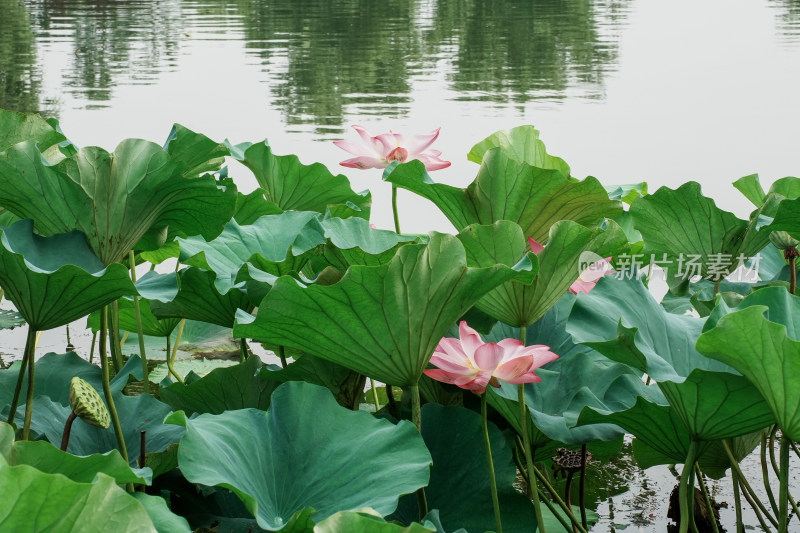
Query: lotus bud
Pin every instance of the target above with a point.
(87, 404)
(782, 240)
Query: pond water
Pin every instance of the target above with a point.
(625, 90)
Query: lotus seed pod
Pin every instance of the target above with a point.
(87, 404)
(782, 240)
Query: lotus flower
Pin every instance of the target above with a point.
(380, 151)
(590, 275)
(472, 364)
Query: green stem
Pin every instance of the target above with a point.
(526, 444)
(91, 350)
(112, 410)
(490, 462)
(792, 273)
(282, 355)
(23, 367)
(749, 493)
(707, 498)
(139, 329)
(416, 418)
(375, 395)
(686, 491)
(753, 505)
(567, 510)
(394, 209)
(31, 340)
(783, 491)
(171, 356)
(765, 475)
(737, 501)
(116, 352)
(582, 487)
(563, 521)
(243, 350)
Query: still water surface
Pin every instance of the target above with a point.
(625, 90)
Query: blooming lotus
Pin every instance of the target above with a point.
(588, 277)
(380, 151)
(472, 364)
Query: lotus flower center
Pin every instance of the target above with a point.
(398, 154)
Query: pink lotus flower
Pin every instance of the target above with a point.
(590, 275)
(380, 151)
(473, 364)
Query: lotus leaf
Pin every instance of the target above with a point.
(382, 321)
(274, 461)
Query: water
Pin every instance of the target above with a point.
(625, 90)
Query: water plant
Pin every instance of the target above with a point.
(467, 325)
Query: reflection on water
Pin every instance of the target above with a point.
(320, 59)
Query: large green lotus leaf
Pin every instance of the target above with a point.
(782, 308)
(191, 293)
(690, 235)
(351, 241)
(787, 218)
(223, 389)
(295, 186)
(136, 413)
(627, 193)
(361, 521)
(18, 127)
(658, 426)
(252, 206)
(164, 520)
(459, 486)
(195, 152)
(114, 198)
(713, 460)
(275, 244)
(55, 280)
(622, 320)
(10, 319)
(763, 351)
(47, 458)
(750, 186)
(35, 502)
(520, 144)
(53, 374)
(505, 189)
(383, 321)
(559, 264)
(296, 456)
(579, 377)
(347, 386)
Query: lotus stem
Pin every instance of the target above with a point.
(30, 344)
(2, 293)
(791, 254)
(783, 491)
(567, 510)
(490, 463)
(748, 491)
(112, 410)
(563, 521)
(282, 355)
(139, 329)
(116, 353)
(91, 350)
(243, 350)
(416, 417)
(582, 488)
(67, 430)
(686, 490)
(753, 506)
(375, 395)
(392, 403)
(20, 378)
(142, 448)
(765, 475)
(737, 501)
(568, 493)
(171, 356)
(36, 341)
(526, 444)
(706, 497)
(394, 210)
